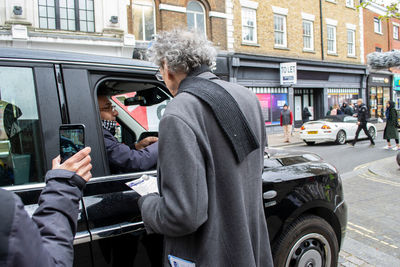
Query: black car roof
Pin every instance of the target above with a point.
(70, 57)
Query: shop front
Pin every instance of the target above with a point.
(379, 92)
(317, 83)
(396, 90)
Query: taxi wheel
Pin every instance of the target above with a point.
(341, 137)
(310, 143)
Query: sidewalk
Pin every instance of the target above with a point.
(277, 140)
(386, 167)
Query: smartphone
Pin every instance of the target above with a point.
(72, 139)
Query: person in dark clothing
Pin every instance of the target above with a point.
(122, 158)
(391, 131)
(346, 109)
(46, 239)
(211, 130)
(362, 122)
(306, 115)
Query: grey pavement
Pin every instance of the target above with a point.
(371, 183)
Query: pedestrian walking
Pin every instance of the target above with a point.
(346, 109)
(362, 114)
(286, 122)
(391, 127)
(306, 115)
(211, 137)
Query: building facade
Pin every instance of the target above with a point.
(323, 37)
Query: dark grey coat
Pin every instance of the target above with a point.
(391, 131)
(46, 239)
(211, 208)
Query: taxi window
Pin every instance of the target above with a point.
(21, 157)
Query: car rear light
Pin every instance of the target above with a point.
(325, 127)
(302, 128)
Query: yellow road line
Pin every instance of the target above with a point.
(362, 228)
(371, 237)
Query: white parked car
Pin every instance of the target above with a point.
(339, 129)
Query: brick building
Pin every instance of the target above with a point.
(381, 35)
(323, 37)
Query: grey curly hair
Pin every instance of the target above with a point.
(182, 50)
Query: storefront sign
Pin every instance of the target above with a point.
(396, 82)
(380, 80)
(288, 73)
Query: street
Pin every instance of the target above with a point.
(371, 184)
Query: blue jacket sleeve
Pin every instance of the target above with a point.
(47, 238)
(124, 159)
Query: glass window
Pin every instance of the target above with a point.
(395, 32)
(350, 3)
(378, 49)
(249, 25)
(21, 157)
(377, 25)
(68, 15)
(331, 31)
(351, 45)
(143, 19)
(308, 35)
(196, 17)
(280, 30)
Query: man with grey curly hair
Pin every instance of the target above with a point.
(211, 154)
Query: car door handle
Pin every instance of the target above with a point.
(270, 194)
(116, 229)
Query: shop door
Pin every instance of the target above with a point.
(304, 98)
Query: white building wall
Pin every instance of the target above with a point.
(108, 39)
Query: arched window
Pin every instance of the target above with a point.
(196, 16)
(143, 19)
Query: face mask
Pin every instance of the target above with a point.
(109, 125)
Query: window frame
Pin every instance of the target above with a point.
(334, 39)
(142, 4)
(350, 3)
(378, 23)
(395, 27)
(353, 44)
(311, 36)
(284, 32)
(195, 13)
(57, 17)
(254, 27)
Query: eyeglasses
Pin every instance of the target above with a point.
(159, 76)
(109, 108)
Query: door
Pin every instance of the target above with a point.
(29, 119)
(114, 219)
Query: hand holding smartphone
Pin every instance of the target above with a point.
(72, 140)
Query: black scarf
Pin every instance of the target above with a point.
(109, 126)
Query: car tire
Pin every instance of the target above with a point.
(309, 241)
(372, 132)
(341, 138)
(310, 143)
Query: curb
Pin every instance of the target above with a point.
(372, 170)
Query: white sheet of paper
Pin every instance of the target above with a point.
(144, 185)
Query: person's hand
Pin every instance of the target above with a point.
(146, 142)
(78, 163)
(358, 123)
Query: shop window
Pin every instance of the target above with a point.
(351, 45)
(249, 25)
(378, 49)
(21, 149)
(378, 25)
(331, 31)
(196, 17)
(280, 30)
(68, 15)
(395, 32)
(308, 35)
(338, 96)
(143, 19)
(272, 100)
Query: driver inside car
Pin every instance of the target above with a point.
(122, 158)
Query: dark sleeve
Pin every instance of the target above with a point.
(281, 118)
(183, 206)
(125, 159)
(47, 238)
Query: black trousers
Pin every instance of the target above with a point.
(363, 126)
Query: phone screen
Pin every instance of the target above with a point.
(72, 139)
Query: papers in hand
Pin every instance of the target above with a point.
(144, 185)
